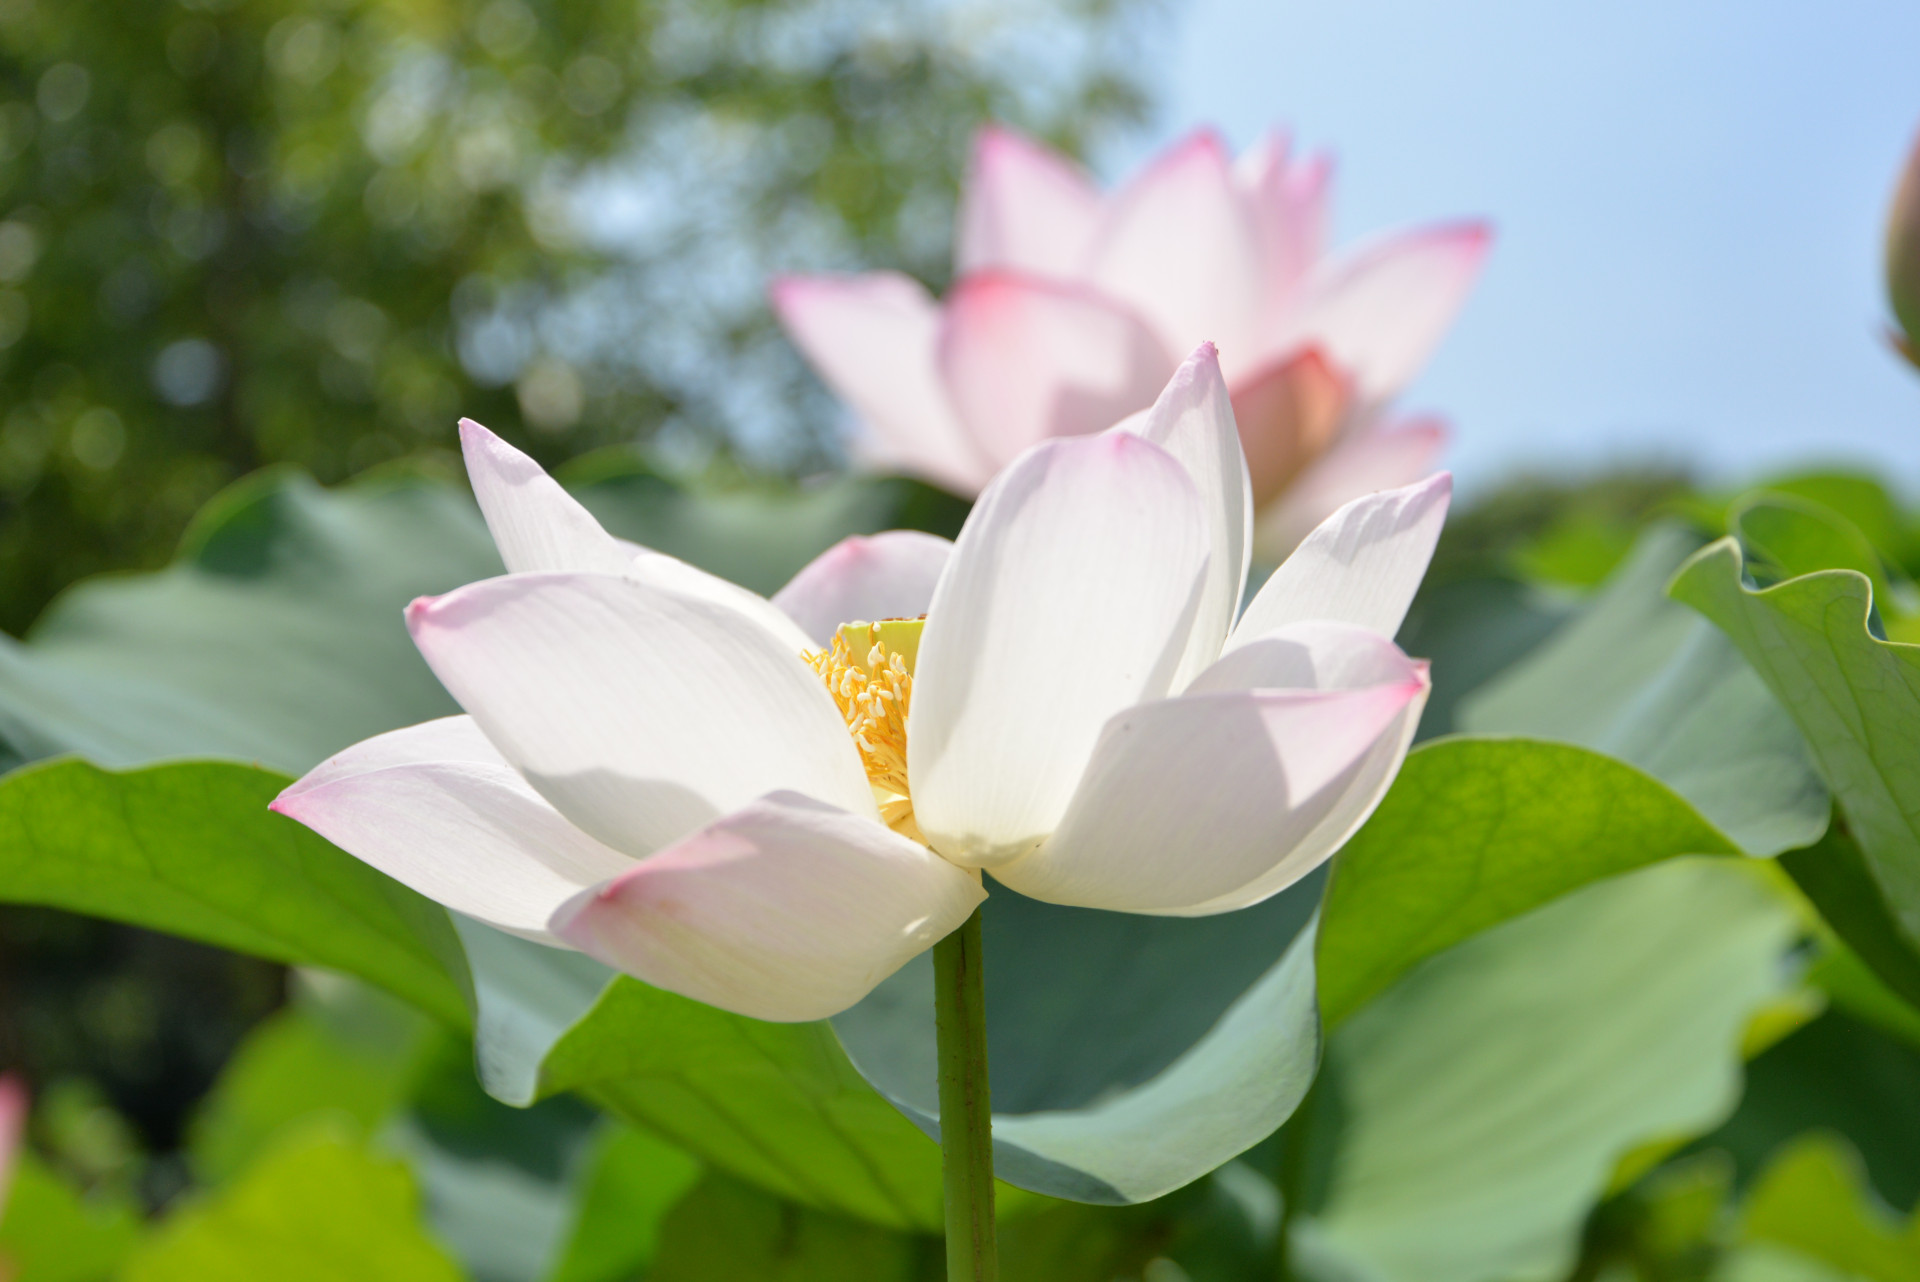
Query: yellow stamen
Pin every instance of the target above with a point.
(869, 672)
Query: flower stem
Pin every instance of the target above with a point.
(966, 1108)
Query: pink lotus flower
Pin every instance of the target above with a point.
(1071, 307)
(13, 1125)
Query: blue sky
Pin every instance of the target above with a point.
(1689, 201)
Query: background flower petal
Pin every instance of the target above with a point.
(1362, 460)
(1361, 565)
(1024, 206)
(890, 575)
(1025, 359)
(1070, 595)
(1179, 247)
(1290, 414)
(640, 714)
(1287, 202)
(1380, 312)
(786, 910)
(872, 338)
(437, 809)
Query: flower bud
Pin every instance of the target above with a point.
(1903, 257)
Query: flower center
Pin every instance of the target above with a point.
(869, 672)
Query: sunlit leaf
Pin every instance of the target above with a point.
(1813, 1201)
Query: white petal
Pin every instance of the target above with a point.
(787, 910)
(1361, 461)
(863, 579)
(641, 715)
(1070, 595)
(1193, 421)
(1217, 800)
(872, 338)
(1024, 206)
(671, 574)
(537, 526)
(1362, 565)
(1179, 247)
(1026, 359)
(1380, 313)
(436, 808)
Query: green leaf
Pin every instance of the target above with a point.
(630, 1183)
(1480, 1106)
(1646, 680)
(726, 1229)
(1476, 831)
(1471, 630)
(1855, 698)
(50, 1233)
(1862, 500)
(317, 1209)
(1129, 1055)
(1787, 536)
(191, 849)
(1813, 1201)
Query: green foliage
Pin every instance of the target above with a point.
(318, 1208)
(1813, 1202)
(630, 1183)
(50, 1233)
(1854, 696)
(725, 1229)
(241, 232)
(1480, 1105)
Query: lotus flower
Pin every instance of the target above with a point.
(1903, 257)
(1070, 308)
(770, 806)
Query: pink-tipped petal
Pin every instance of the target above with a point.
(1214, 800)
(538, 527)
(640, 714)
(1287, 204)
(1179, 248)
(1025, 207)
(1380, 312)
(1194, 422)
(1360, 462)
(1071, 594)
(13, 1129)
(1290, 414)
(785, 910)
(1362, 565)
(872, 339)
(1026, 359)
(864, 579)
(437, 808)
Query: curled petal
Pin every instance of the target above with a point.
(865, 578)
(1213, 801)
(1026, 359)
(1380, 313)
(786, 910)
(1362, 565)
(1024, 207)
(1071, 594)
(640, 714)
(538, 527)
(436, 808)
(872, 339)
(1179, 247)
(1290, 414)
(1360, 462)
(1194, 422)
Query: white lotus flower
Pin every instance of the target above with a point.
(653, 770)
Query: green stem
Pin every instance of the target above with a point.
(966, 1108)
